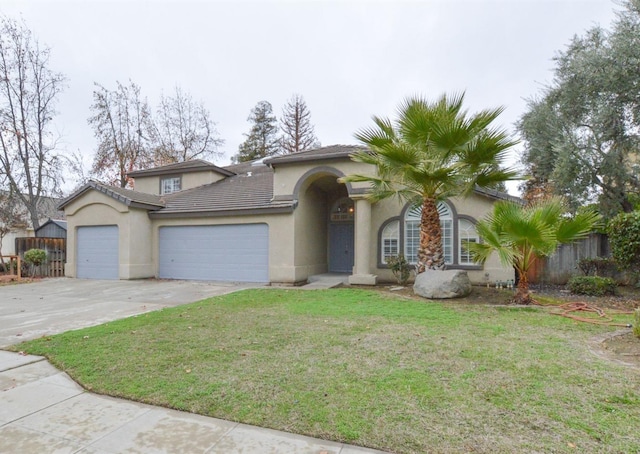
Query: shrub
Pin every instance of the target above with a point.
(636, 323)
(624, 239)
(592, 285)
(597, 266)
(35, 257)
(400, 268)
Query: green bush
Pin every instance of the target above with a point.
(636, 323)
(35, 257)
(624, 239)
(592, 285)
(400, 268)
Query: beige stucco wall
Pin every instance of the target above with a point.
(8, 245)
(475, 206)
(310, 233)
(281, 241)
(151, 185)
(134, 228)
(310, 238)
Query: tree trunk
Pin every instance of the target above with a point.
(430, 253)
(522, 294)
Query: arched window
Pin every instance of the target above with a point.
(466, 234)
(412, 232)
(390, 240)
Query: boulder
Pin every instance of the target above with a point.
(435, 284)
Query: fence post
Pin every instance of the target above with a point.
(19, 270)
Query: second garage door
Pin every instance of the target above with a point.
(238, 253)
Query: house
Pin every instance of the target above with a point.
(23, 229)
(277, 220)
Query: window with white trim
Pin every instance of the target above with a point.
(412, 233)
(170, 185)
(466, 235)
(390, 240)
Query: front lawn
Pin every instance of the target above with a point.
(369, 369)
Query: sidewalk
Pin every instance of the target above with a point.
(43, 411)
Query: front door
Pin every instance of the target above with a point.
(341, 248)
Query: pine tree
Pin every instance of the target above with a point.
(262, 140)
(297, 131)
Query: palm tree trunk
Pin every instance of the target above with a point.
(430, 253)
(522, 294)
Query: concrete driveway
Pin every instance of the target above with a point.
(50, 306)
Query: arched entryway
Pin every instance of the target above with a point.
(324, 217)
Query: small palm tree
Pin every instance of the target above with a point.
(520, 233)
(432, 151)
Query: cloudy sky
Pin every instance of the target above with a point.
(348, 59)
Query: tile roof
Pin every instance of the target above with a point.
(250, 189)
(126, 196)
(498, 195)
(196, 165)
(247, 189)
(60, 223)
(317, 154)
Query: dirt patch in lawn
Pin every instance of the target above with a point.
(11, 279)
(621, 346)
(627, 299)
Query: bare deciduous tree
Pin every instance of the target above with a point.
(28, 92)
(12, 214)
(183, 130)
(119, 121)
(297, 131)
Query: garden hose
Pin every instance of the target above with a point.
(567, 310)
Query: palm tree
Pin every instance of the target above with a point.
(432, 151)
(520, 233)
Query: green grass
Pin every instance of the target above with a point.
(356, 366)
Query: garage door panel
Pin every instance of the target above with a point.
(97, 252)
(221, 252)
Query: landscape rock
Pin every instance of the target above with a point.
(446, 284)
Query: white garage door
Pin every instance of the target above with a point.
(97, 252)
(238, 253)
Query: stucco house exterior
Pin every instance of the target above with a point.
(278, 220)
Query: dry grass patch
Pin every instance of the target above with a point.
(370, 369)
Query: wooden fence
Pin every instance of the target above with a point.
(11, 265)
(56, 249)
(559, 267)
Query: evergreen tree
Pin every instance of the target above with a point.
(262, 140)
(581, 135)
(297, 131)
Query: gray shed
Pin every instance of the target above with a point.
(52, 229)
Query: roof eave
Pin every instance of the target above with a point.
(114, 195)
(497, 195)
(160, 172)
(297, 159)
(222, 213)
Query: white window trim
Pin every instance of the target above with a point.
(391, 234)
(170, 183)
(463, 234)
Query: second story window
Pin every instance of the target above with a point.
(170, 184)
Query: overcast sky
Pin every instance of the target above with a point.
(348, 59)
